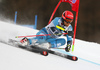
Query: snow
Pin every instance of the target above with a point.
(12, 58)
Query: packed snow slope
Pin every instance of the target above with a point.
(12, 58)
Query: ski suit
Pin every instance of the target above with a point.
(53, 39)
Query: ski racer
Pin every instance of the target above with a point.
(56, 28)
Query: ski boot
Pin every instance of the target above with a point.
(24, 41)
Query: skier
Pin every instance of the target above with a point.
(56, 28)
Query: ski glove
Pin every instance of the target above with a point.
(70, 33)
(67, 49)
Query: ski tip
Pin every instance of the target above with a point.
(74, 58)
(45, 53)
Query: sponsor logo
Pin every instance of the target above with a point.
(59, 44)
(70, 16)
(72, 1)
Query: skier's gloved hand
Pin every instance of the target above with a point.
(24, 41)
(68, 47)
(70, 33)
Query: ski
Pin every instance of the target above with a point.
(43, 51)
(35, 50)
(70, 57)
(29, 48)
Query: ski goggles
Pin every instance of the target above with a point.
(68, 20)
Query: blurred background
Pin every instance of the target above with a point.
(88, 27)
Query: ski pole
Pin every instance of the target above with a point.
(37, 35)
(58, 48)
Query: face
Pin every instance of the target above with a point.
(67, 22)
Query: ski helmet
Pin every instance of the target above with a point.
(67, 15)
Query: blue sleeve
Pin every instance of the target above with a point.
(55, 21)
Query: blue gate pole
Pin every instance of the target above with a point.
(15, 17)
(35, 21)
